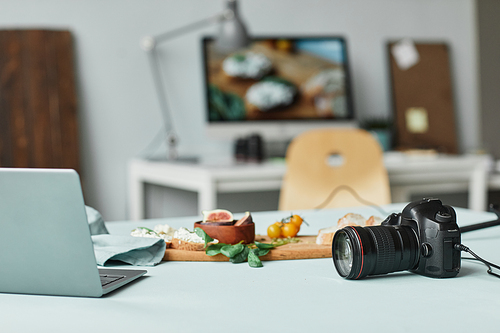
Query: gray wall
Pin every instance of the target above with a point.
(488, 12)
(119, 115)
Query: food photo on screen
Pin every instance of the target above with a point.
(278, 79)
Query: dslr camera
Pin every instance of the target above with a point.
(420, 239)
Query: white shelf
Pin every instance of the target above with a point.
(408, 175)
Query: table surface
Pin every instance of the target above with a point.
(291, 295)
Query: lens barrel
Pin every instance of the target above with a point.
(361, 251)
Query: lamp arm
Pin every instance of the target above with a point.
(160, 91)
(149, 44)
(191, 27)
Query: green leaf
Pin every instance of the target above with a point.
(264, 245)
(261, 252)
(225, 106)
(240, 257)
(214, 249)
(253, 259)
(148, 230)
(206, 238)
(232, 250)
(239, 57)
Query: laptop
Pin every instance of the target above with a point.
(45, 242)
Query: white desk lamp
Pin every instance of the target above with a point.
(232, 35)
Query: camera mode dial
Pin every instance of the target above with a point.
(443, 217)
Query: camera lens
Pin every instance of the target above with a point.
(343, 254)
(361, 251)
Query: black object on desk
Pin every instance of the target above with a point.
(494, 209)
(249, 149)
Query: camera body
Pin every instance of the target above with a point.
(436, 229)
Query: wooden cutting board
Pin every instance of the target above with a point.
(305, 249)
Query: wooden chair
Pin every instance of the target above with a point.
(38, 119)
(334, 168)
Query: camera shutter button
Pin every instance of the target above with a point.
(426, 250)
(443, 217)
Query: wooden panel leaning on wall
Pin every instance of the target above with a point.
(38, 106)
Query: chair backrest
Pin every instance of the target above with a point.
(328, 167)
(38, 107)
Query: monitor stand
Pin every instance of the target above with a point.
(276, 149)
(178, 159)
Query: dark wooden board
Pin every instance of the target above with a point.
(38, 106)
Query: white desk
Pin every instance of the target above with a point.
(407, 175)
(282, 296)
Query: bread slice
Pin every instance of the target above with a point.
(325, 235)
(188, 246)
(373, 220)
(351, 219)
(168, 243)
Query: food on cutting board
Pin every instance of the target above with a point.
(326, 92)
(249, 65)
(325, 235)
(217, 216)
(164, 231)
(224, 217)
(246, 219)
(287, 227)
(220, 224)
(272, 93)
(185, 239)
(237, 253)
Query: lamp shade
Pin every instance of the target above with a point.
(232, 32)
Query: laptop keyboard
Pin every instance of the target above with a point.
(107, 279)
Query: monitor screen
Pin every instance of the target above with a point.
(300, 82)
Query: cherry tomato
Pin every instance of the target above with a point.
(289, 230)
(274, 231)
(297, 220)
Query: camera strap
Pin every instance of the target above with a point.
(464, 248)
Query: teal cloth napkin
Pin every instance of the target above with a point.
(96, 223)
(135, 251)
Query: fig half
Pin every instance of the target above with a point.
(246, 219)
(217, 215)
